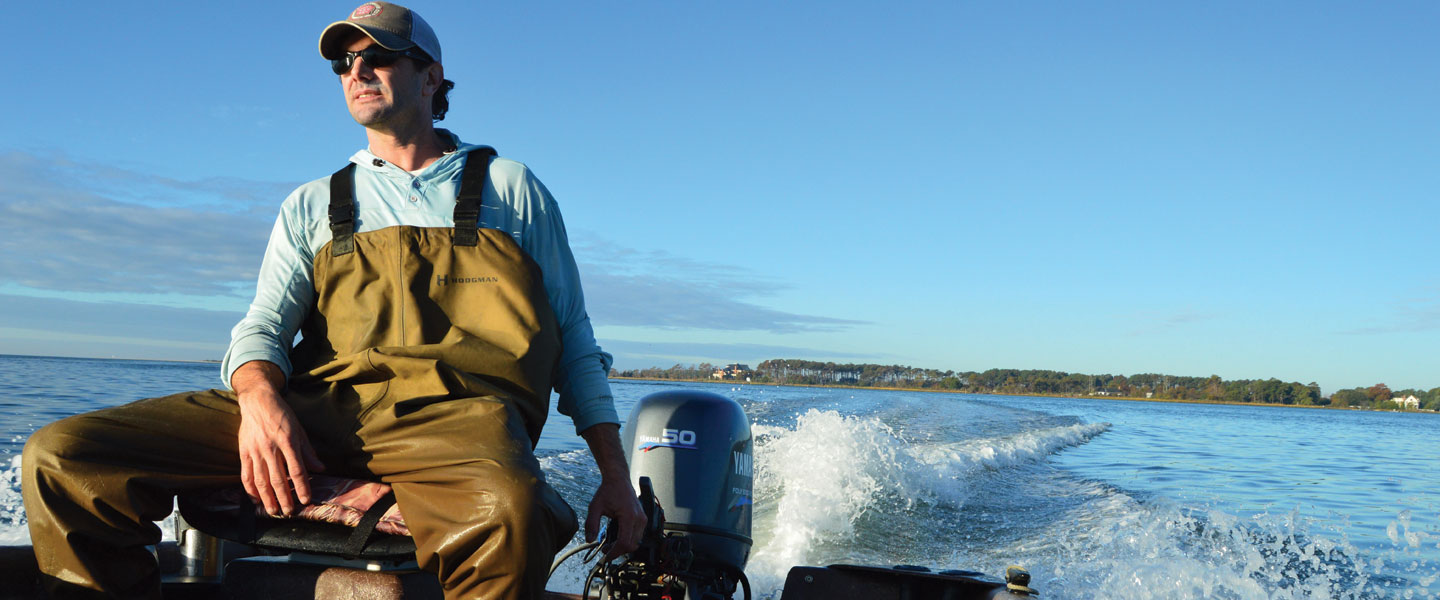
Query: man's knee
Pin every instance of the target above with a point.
(47, 463)
(55, 441)
(529, 504)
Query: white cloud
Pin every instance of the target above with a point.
(653, 288)
(1151, 322)
(70, 226)
(110, 246)
(1417, 313)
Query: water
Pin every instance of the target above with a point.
(1098, 498)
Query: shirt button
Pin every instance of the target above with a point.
(377, 162)
(414, 199)
(415, 184)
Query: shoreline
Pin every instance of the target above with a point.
(839, 386)
(1026, 395)
(208, 361)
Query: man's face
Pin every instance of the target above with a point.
(383, 97)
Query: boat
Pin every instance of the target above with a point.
(690, 457)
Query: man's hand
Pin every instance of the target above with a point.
(615, 498)
(274, 451)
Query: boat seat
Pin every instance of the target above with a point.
(346, 517)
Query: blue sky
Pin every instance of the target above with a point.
(1231, 188)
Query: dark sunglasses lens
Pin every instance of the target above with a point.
(373, 56)
(376, 56)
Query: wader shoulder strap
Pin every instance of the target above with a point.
(342, 211)
(467, 206)
(472, 185)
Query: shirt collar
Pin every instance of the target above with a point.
(447, 167)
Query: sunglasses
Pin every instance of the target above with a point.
(376, 57)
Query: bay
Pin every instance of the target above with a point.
(1098, 498)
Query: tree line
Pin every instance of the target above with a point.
(1381, 396)
(1045, 382)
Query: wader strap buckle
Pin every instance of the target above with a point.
(342, 211)
(472, 185)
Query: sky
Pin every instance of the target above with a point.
(1232, 188)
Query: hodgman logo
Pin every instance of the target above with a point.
(447, 279)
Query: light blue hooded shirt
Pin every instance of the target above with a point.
(386, 196)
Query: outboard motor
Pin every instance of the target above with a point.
(691, 458)
(696, 449)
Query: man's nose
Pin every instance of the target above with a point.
(360, 69)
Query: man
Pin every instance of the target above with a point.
(438, 304)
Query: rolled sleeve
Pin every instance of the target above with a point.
(584, 384)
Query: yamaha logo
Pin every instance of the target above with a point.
(679, 439)
(744, 464)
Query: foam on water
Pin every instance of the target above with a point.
(821, 482)
(817, 480)
(960, 459)
(13, 531)
(1111, 545)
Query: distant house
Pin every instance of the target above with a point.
(733, 371)
(1408, 402)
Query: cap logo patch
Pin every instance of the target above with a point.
(366, 10)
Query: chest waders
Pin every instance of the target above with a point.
(426, 363)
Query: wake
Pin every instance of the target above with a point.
(815, 482)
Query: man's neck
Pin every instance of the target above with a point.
(410, 150)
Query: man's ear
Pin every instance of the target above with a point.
(434, 75)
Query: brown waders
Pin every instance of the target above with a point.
(426, 363)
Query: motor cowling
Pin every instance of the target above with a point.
(697, 451)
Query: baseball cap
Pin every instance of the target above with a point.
(392, 26)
